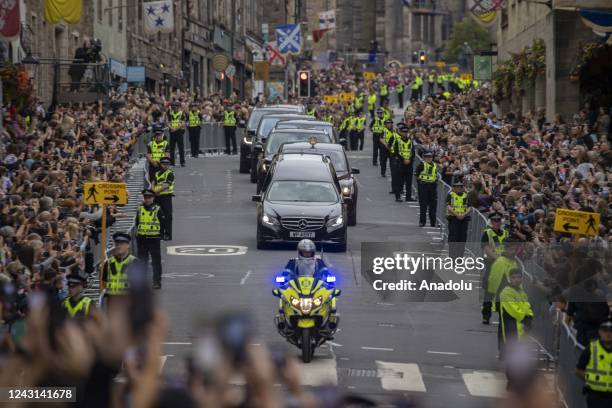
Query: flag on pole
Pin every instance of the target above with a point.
(158, 17)
(327, 19)
(67, 10)
(9, 21)
(318, 34)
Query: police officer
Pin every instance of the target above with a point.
(195, 122)
(149, 224)
(427, 175)
(358, 129)
(400, 88)
(229, 125)
(344, 131)
(402, 151)
(492, 241)
(359, 101)
(499, 274)
(515, 313)
(176, 121)
(156, 150)
(385, 140)
(383, 92)
(458, 214)
(312, 111)
(115, 269)
(77, 306)
(163, 186)
(372, 103)
(595, 368)
(377, 126)
(431, 78)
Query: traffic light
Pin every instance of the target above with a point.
(304, 82)
(422, 57)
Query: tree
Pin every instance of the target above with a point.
(466, 31)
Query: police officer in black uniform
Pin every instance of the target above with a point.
(163, 186)
(427, 175)
(458, 214)
(402, 152)
(149, 224)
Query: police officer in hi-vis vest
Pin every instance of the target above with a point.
(357, 129)
(400, 88)
(176, 122)
(76, 305)
(402, 152)
(595, 368)
(149, 225)
(115, 269)
(385, 140)
(377, 126)
(229, 125)
(458, 215)
(156, 150)
(427, 175)
(383, 92)
(493, 239)
(163, 186)
(194, 127)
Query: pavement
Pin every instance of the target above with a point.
(437, 352)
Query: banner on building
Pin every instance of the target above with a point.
(158, 17)
(483, 65)
(67, 10)
(9, 20)
(327, 19)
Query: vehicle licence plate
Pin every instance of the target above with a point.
(301, 234)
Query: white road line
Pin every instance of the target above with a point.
(246, 276)
(485, 383)
(177, 343)
(400, 377)
(368, 199)
(197, 216)
(432, 232)
(319, 372)
(376, 348)
(450, 353)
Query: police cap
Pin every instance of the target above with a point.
(427, 153)
(76, 279)
(165, 160)
(121, 237)
(495, 217)
(515, 271)
(402, 127)
(379, 111)
(148, 192)
(158, 130)
(458, 183)
(388, 122)
(606, 325)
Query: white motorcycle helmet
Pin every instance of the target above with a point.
(306, 250)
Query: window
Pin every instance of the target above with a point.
(110, 11)
(100, 11)
(120, 18)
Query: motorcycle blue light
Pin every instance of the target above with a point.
(330, 279)
(280, 279)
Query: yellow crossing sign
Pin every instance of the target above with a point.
(577, 222)
(347, 96)
(102, 192)
(330, 99)
(369, 75)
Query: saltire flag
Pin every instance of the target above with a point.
(158, 16)
(67, 10)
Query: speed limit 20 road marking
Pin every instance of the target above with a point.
(206, 250)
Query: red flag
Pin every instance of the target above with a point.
(9, 20)
(318, 34)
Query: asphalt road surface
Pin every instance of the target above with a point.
(437, 352)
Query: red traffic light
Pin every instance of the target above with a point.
(303, 75)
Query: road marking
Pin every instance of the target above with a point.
(386, 325)
(246, 276)
(197, 216)
(376, 348)
(368, 199)
(485, 383)
(206, 250)
(177, 343)
(385, 304)
(400, 377)
(319, 372)
(450, 353)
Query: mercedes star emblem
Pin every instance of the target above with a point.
(302, 224)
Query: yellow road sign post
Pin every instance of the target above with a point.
(577, 222)
(103, 193)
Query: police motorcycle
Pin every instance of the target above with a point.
(307, 294)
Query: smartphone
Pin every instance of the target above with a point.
(235, 330)
(140, 298)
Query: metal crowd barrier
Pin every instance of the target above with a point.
(552, 335)
(212, 138)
